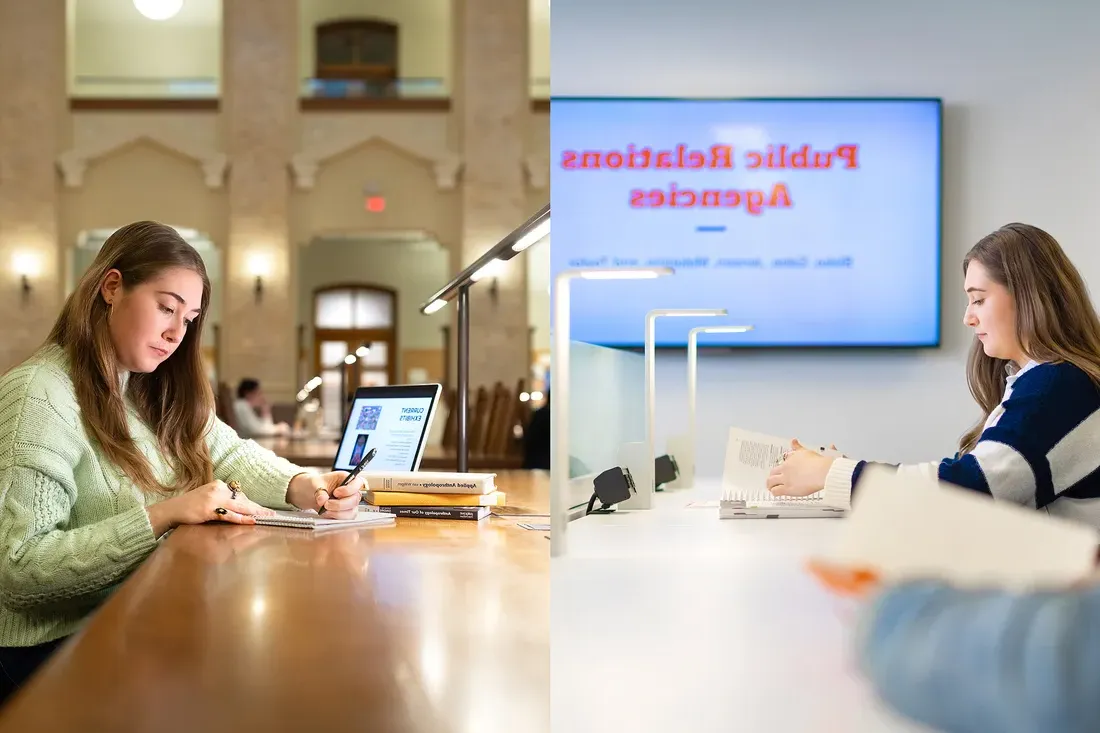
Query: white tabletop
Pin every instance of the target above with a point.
(670, 619)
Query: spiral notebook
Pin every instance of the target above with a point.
(311, 520)
(739, 505)
(749, 458)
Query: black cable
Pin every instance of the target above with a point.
(604, 508)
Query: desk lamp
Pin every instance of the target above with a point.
(688, 475)
(559, 394)
(645, 493)
(531, 232)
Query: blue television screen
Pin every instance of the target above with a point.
(816, 221)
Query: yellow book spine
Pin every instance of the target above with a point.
(405, 498)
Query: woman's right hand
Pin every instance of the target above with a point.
(199, 505)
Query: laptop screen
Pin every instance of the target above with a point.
(395, 420)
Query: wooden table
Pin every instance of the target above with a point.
(428, 625)
(315, 452)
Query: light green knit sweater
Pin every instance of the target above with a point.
(72, 526)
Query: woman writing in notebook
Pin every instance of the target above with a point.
(1034, 369)
(108, 440)
(971, 661)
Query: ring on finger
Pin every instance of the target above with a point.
(221, 512)
(234, 487)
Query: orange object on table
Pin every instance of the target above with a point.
(858, 582)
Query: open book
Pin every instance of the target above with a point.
(309, 519)
(749, 458)
(910, 527)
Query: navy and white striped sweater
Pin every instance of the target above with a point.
(1039, 448)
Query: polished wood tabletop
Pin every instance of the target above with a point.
(320, 452)
(427, 625)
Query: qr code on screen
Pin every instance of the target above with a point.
(368, 417)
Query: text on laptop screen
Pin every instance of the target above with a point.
(394, 425)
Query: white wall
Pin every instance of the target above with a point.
(110, 38)
(1020, 80)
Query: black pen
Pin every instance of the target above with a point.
(354, 472)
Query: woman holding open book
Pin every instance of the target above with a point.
(1034, 369)
(108, 440)
(978, 661)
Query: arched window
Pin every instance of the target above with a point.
(361, 53)
(345, 319)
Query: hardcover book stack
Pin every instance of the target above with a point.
(433, 495)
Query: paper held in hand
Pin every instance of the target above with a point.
(749, 458)
(910, 527)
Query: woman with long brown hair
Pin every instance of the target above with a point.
(986, 659)
(108, 439)
(1034, 369)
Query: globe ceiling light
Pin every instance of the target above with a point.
(158, 9)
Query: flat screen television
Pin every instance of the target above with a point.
(816, 221)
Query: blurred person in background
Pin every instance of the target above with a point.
(253, 412)
(536, 438)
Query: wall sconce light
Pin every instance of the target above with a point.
(26, 266)
(307, 388)
(259, 267)
(493, 269)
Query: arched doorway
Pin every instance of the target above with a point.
(354, 322)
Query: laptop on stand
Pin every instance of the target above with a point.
(395, 419)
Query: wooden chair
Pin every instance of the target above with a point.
(493, 415)
(478, 421)
(521, 416)
(492, 422)
(504, 426)
(284, 412)
(450, 430)
(223, 405)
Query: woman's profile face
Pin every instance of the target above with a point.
(149, 321)
(991, 313)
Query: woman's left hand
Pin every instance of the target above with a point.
(313, 491)
(801, 473)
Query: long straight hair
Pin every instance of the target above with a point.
(1055, 319)
(176, 400)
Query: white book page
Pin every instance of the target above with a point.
(906, 526)
(750, 457)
